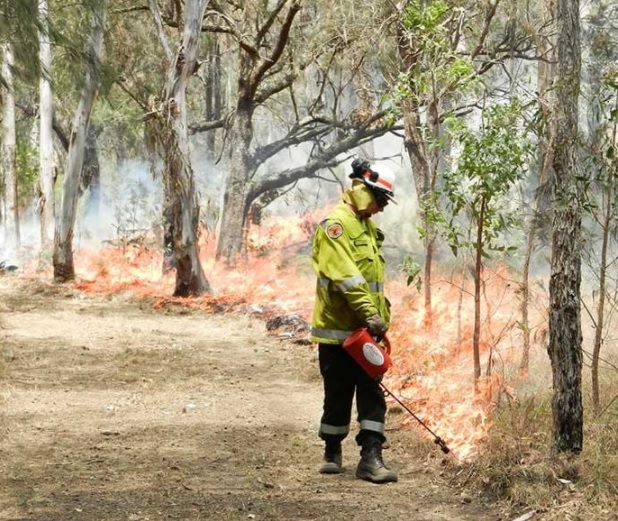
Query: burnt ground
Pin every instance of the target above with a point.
(114, 410)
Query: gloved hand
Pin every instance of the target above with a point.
(376, 326)
(359, 166)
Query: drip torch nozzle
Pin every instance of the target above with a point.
(440, 443)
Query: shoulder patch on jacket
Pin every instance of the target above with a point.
(334, 231)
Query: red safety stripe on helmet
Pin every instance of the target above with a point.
(380, 181)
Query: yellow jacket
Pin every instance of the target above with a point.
(348, 262)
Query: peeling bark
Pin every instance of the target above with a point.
(64, 269)
(565, 333)
(169, 128)
(46, 204)
(9, 152)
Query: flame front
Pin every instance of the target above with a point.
(433, 365)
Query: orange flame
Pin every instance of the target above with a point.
(433, 371)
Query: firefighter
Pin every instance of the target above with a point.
(349, 265)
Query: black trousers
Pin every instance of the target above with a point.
(343, 378)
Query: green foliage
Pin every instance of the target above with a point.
(436, 70)
(420, 16)
(412, 270)
(601, 162)
(27, 161)
(429, 27)
(492, 160)
(19, 28)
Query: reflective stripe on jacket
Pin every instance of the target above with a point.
(348, 262)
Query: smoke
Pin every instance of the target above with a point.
(129, 205)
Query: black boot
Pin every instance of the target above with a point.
(371, 466)
(332, 459)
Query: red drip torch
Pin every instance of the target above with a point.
(374, 358)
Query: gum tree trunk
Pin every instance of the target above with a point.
(9, 152)
(47, 203)
(565, 334)
(544, 158)
(64, 268)
(234, 217)
(169, 127)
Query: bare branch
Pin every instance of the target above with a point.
(282, 40)
(231, 29)
(208, 125)
(325, 157)
(268, 91)
(263, 31)
(124, 10)
(305, 131)
(486, 25)
(122, 84)
(154, 9)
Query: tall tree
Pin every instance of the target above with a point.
(275, 56)
(445, 48)
(64, 268)
(255, 64)
(565, 333)
(9, 149)
(492, 160)
(601, 41)
(168, 128)
(46, 204)
(304, 101)
(534, 222)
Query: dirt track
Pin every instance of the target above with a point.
(112, 410)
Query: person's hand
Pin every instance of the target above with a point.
(376, 326)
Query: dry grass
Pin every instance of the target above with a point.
(517, 464)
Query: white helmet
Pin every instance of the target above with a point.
(382, 179)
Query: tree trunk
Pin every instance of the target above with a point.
(565, 334)
(544, 159)
(478, 271)
(91, 174)
(47, 204)
(231, 246)
(64, 269)
(421, 170)
(9, 152)
(600, 322)
(524, 362)
(181, 206)
(214, 93)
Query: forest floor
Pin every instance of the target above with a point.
(112, 409)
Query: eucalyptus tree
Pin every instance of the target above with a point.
(535, 221)
(47, 202)
(285, 64)
(565, 332)
(492, 160)
(64, 269)
(605, 157)
(279, 48)
(167, 124)
(601, 98)
(9, 149)
(446, 48)
(18, 37)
